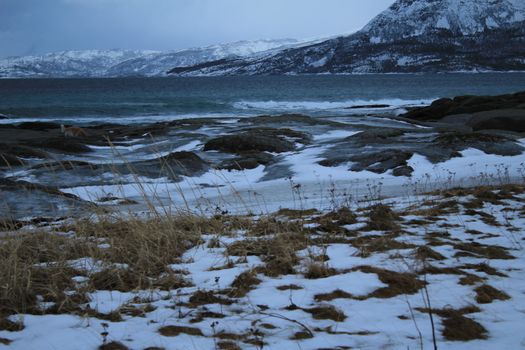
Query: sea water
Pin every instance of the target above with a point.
(145, 100)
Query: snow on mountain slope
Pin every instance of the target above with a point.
(406, 18)
(410, 36)
(89, 63)
(159, 64)
(114, 63)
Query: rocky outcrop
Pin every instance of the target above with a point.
(257, 140)
(510, 105)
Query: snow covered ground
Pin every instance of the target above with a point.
(363, 281)
(311, 185)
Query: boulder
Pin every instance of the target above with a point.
(41, 126)
(466, 105)
(66, 145)
(257, 140)
(247, 160)
(8, 160)
(381, 161)
(172, 166)
(375, 136)
(404, 170)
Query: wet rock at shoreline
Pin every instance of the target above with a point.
(504, 112)
(246, 160)
(257, 140)
(171, 166)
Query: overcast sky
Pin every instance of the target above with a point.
(39, 26)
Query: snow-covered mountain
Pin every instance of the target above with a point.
(104, 63)
(410, 36)
(158, 64)
(89, 63)
(410, 18)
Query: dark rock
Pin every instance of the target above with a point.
(3, 116)
(292, 118)
(38, 126)
(375, 136)
(63, 144)
(8, 160)
(64, 165)
(256, 140)
(28, 186)
(501, 123)
(186, 163)
(381, 161)
(466, 105)
(369, 106)
(172, 166)
(247, 160)
(22, 151)
(404, 170)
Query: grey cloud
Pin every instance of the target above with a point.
(40, 26)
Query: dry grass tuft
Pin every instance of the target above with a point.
(315, 270)
(483, 267)
(243, 284)
(460, 328)
(336, 294)
(486, 294)
(301, 335)
(296, 214)
(382, 218)
(5, 341)
(202, 297)
(289, 287)
(373, 244)
(228, 345)
(482, 251)
(10, 326)
(114, 345)
(424, 253)
(173, 331)
(398, 282)
(270, 226)
(327, 312)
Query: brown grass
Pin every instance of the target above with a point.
(327, 312)
(228, 345)
(382, 218)
(425, 253)
(37, 265)
(243, 284)
(483, 251)
(336, 294)
(202, 297)
(378, 244)
(486, 294)
(315, 270)
(398, 282)
(5, 341)
(289, 287)
(460, 328)
(114, 345)
(173, 331)
(301, 335)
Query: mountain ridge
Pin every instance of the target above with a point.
(410, 36)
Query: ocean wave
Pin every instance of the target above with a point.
(330, 105)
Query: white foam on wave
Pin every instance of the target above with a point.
(330, 105)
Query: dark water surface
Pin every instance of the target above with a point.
(153, 99)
